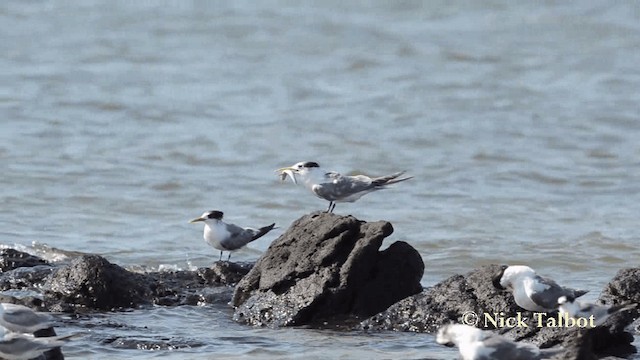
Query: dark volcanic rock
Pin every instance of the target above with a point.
(12, 259)
(205, 285)
(25, 278)
(93, 282)
(455, 298)
(623, 288)
(28, 301)
(446, 302)
(326, 267)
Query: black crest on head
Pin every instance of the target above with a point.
(310, 164)
(215, 214)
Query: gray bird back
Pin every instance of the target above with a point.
(508, 350)
(19, 346)
(242, 236)
(342, 186)
(24, 320)
(548, 298)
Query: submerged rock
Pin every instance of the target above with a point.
(465, 299)
(327, 267)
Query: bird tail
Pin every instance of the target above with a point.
(577, 293)
(55, 341)
(390, 179)
(262, 231)
(66, 338)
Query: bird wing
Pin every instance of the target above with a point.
(506, 349)
(17, 317)
(339, 187)
(18, 346)
(238, 237)
(548, 293)
(390, 179)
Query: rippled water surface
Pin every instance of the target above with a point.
(123, 120)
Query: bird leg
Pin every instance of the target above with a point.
(332, 206)
(229, 257)
(220, 256)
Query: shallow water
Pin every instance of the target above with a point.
(121, 121)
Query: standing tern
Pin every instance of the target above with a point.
(335, 187)
(227, 237)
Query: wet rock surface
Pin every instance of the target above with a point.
(91, 283)
(202, 286)
(25, 278)
(327, 267)
(463, 299)
(11, 259)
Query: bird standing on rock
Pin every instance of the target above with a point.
(531, 291)
(333, 186)
(227, 237)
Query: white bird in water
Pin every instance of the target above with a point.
(227, 237)
(531, 291)
(16, 346)
(476, 344)
(580, 309)
(21, 319)
(334, 187)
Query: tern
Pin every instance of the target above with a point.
(334, 187)
(531, 291)
(15, 346)
(21, 319)
(476, 344)
(580, 309)
(227, 237)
